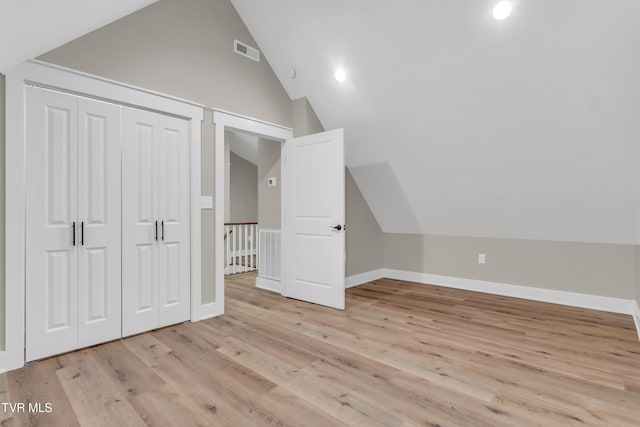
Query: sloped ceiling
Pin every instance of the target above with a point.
(29, 28)
(245, 146)
(458, 124)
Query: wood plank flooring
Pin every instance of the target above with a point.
(402, 354)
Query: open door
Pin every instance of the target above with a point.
(315, 218)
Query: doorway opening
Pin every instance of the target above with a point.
(241, 203)
(311, 258)
(248, 202)
(253, 211)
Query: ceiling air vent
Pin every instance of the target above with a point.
(245, 50)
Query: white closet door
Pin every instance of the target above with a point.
(139, 216)
(51, 205)
(99, 277)
(174, 197)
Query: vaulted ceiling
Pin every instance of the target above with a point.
(29, 28)
(459, 124)
(455, 123)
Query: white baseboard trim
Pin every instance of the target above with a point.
(8, 362)
(269, 284)
(207, 311)
(362, 278)
(636, 318)
(573, 299)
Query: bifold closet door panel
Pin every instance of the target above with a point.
(51, 212)
(99, 275)
(139, 221)
(174, 198)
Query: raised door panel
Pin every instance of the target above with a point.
(99, 272)
(51, 257)
(139, 221)
(174, 199)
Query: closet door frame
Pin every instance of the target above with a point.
(40, 74)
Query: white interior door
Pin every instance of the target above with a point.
(51, 209)
(315, 218)
(99, 276)
(174, 246)
(140, 228)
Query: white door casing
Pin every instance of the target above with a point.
(222, 122)
(51, 212)
(315, 218)
(99, 275)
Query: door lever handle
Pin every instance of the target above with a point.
(337, 227)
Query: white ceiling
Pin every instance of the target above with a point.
(29, 28)
(458, 124)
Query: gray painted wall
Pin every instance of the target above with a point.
(588, 268)
(304, 119)
(183, 48)
(269, 198)
(364, 238)
(2, 145)
(638, 275)
(207, 244)
(243, 192)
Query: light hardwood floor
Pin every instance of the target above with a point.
(402, 354)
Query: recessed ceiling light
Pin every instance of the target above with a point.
(502, 10)
(340, 75)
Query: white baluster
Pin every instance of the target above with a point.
(227, 243)
(255, 264)
(244, 247)
(253, 245)
(232, 249)
(241, 248)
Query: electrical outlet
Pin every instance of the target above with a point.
(482, 259)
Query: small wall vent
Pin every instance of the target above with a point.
(246, 50)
